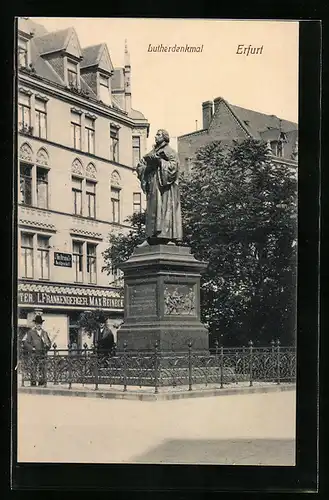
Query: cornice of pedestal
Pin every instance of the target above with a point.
(159, 258)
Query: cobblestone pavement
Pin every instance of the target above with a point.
(248, 429)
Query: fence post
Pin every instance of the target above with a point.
(55, 363)
(250, 363)
(273, 354)
(221, 367)
(85, 347)
(95, 356)
(189, 366)
(124, 366)
(44, 374)
(278, 365)
(156, 375)
(70, 365)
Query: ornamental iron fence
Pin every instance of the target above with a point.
(155, 368)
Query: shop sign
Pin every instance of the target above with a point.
(62, 259)
(51, 299)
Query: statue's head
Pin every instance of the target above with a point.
(161, 136)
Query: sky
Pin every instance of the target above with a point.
(169, 87)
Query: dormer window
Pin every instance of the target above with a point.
(72, 74)
(277, 148)
(104, 91)
(23, 59)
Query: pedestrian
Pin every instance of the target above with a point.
(104, 338)
(36, 344)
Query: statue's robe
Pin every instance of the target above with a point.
(159, 181)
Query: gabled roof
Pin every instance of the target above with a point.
(97, 55)
(56, 41)
(258, 122)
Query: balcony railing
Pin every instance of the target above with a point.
(24, 128)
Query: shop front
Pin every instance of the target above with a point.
(60, 306)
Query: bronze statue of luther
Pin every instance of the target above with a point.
(158, 173)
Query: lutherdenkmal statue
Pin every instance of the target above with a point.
(158, 173)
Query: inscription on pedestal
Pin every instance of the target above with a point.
(179, 300)
(142, 300)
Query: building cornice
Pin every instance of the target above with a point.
(60, 92)
(80, 217)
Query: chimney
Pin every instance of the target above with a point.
(207, 113)
(217, 102)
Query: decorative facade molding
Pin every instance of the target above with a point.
(71, 290)
(42, 157)
(77, 167)
(91, 116)
(115, 125)
(25, 152)
(115, 179)
(86, 234)
(77, 110)
(42, 97)
(37, 224)
(25, 91)
(91, 171)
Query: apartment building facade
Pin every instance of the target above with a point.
(78, 142)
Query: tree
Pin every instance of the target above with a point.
(122, 245)
(90, 321)
(239, 215)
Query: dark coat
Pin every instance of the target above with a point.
(37, 341)
(105, 339)
(159, 181)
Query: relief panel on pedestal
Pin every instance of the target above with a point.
(179, 300)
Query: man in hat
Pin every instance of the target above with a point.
(37, 343)
(104, 338)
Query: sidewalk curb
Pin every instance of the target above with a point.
(139, 396)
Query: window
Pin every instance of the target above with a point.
(280, 149)
(22, 53)
(104, 91)
(90, 135)
(76, 130)
(42, 187)
(114, 144)
(43, 257)
(40, 118)
(72, 74)
(78, 261)
(26, 184)
(24, 113)
(77, 195)
(91, 199)
(277, 148)
(137, 203)
(115, 202)
(136, 150)
(27, 255)
(91, 263)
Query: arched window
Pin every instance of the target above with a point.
(91, 171)
(77, 167)
(25, 152)
(115, 197)
(91, 190)
(42, 157)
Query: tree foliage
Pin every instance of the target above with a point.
(90, 321)
(239, 215)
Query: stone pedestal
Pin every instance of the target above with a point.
(162, 300)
